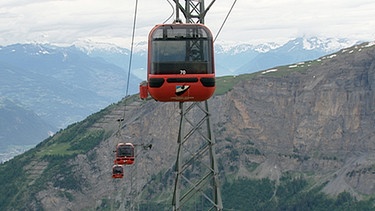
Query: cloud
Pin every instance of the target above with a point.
(66, 21)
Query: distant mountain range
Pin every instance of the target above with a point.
(63, 85)
(230, 59)
(294, 137)
(60, 84)
(240, 59)
(19, 126)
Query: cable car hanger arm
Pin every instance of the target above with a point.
(188, 14)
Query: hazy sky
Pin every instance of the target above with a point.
(251, 21)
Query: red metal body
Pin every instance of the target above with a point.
(180, 63)
(117, 172)
(143, 90)
(124, 154)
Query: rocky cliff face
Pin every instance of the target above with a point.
(315, 118)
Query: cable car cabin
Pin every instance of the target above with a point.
(117, 172)
(180, 63)
(124, 154)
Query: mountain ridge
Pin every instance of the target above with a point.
(65, 84)
(310, 120)
(232, 58)
(34, 72)
(20, 127)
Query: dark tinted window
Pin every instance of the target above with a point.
(181, 50)
(125, 150)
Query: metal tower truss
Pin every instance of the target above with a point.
(194, 10)
(194, 48)
(196, 183)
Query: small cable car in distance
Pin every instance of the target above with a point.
(124, 154)
(180, 64)
(117, 171)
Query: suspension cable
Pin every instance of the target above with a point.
(171, 14)
(222, 25)
(132, 47)
(121, 120)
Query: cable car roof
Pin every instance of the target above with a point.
(180, 32)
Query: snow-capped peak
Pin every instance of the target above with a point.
(327, 44)
(89, 46)
(263, 48)
(237, 48)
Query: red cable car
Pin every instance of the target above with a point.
(180, 63)
(124, 154)
(117, 172)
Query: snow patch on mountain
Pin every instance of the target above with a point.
(234, 48)
(370, 44)
(89, 46)
(29, 49)
(231, 48)
(327, 44)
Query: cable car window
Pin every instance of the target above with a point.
(125, 151)
(181, 50)
(118, 170)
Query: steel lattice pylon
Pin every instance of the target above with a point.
(196, 165)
